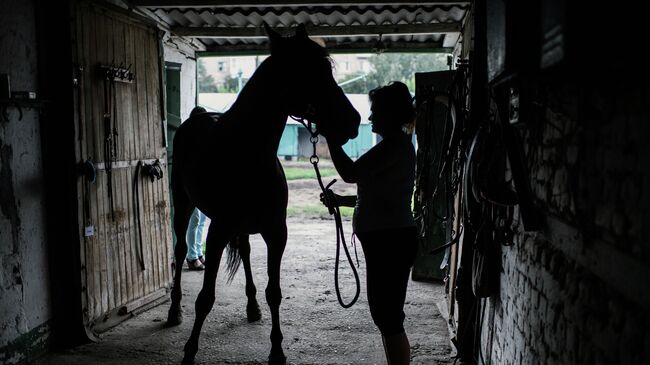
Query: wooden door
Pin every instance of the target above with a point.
(123, 268)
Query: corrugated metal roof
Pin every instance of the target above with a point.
(227, 27)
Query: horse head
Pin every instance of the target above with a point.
(313, 93)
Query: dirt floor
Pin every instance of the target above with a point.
(316, 329)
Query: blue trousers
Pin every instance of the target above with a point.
(194, 235)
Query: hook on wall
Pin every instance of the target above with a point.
(379, 46)
(5, 114)
(117, 73)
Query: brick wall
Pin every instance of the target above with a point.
(577, 292)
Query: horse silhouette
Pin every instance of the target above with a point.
(227, 166)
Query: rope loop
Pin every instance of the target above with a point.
(335, 211)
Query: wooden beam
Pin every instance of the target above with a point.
(319, 31)
(242, 3)
(332, 47)
(369, 47)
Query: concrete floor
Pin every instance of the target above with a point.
(316, 329)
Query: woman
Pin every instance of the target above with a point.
(383, 220)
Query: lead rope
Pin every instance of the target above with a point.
(154, 172)
(136, 214)
(340, 235)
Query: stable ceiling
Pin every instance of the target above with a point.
(372, 26)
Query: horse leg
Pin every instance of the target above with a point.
(216, 242)
(276, 241)
(182, 212)
(253, 312)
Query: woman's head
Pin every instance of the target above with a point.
(391, 108)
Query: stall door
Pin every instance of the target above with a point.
(432, 203)
(124, 195)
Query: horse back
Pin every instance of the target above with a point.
(225, 172)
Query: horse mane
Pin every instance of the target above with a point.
(318, 50)
(306, 48)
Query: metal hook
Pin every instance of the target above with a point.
(379, 46)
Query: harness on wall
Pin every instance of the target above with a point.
(89, 173)
(336, 212)
(110, 135)
(441, 145)
(488, 206)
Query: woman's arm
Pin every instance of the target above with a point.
(346, 200)
(380, 156)
(343, 164)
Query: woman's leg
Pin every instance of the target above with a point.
(389, 257)
(397, 348)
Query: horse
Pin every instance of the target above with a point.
(227, 166)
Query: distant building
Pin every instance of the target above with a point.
(350, 64)
(220, 68)
(223, 67)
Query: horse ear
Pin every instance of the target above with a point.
(301, 31)
(273, 35)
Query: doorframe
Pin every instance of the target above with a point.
(176, 67)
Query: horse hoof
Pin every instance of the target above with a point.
(277, 359)
(174, 316)
(187, 360)
(253, 313)
(189, 352)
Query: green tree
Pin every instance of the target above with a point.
(231, 84)
(354, 83)
(207, 84)
(387, 67)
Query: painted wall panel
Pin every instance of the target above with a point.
(25, 299)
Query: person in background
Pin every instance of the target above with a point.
(383, 219)
(194, 236)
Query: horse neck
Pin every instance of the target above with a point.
(260, 107)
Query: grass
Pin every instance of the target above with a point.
(316, 210)
(295, 173)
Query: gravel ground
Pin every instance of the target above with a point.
(316, 329)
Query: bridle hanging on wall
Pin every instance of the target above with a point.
(448, 157)
(110, 136)
(110, 75)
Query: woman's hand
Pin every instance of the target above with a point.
(332, 199)
(335, 200)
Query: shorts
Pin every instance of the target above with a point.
(390, 254)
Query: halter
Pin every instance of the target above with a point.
(333, 210)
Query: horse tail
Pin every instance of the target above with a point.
(234, 259)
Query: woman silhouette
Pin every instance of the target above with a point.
(383, 219)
